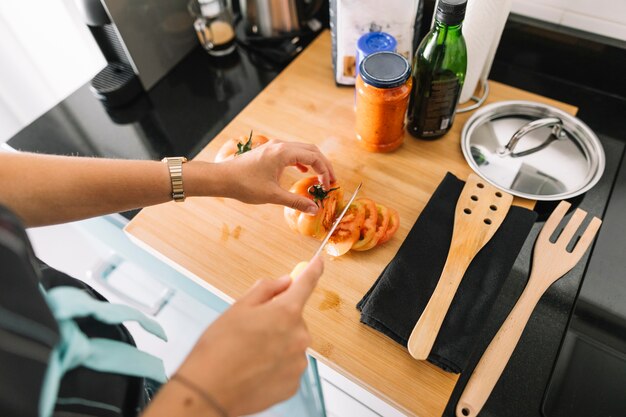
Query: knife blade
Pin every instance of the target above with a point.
(297, 270)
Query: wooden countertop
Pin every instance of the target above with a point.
(229, 245)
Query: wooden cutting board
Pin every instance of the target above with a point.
(227, 245)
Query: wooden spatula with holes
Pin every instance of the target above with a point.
(550, 262)
(480, 210)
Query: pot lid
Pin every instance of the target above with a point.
(533, 150)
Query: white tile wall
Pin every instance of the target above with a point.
(603, 17)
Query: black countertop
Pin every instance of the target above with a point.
(181, 114)
(178, 116)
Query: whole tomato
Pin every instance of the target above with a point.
(234, 147)
(329, 203)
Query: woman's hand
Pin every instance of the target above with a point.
(254, 177)
(254, 355)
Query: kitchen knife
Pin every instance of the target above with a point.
(297, 270)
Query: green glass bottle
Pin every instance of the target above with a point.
(439, 68)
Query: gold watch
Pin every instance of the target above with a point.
(175, 167)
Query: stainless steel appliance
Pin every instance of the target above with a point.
(141, 41)
(272, 18)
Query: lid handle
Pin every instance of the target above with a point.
(557, 133)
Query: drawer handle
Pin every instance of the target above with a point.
(101, 273)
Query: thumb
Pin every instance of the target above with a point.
(295, 201)
(265, 290)
(303, 286)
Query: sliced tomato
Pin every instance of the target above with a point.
(394, 223)
(314, 225)
(347, 231)
(368, 229)
(230, 148)
(382, 222)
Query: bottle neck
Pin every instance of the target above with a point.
(451, 28)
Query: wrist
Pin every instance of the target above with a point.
(175, 399)
(204, 179)
(202, 392)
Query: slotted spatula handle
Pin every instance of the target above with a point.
(427, 327)
(497, 355)
(479, 212)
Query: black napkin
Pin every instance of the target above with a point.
(400, 294)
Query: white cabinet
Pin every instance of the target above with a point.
(344, 398)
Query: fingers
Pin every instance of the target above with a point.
(305, 154)
(294, 201)
(302, 168)
(264, 290)
(299, 154)
(302, 288)
(317, 161)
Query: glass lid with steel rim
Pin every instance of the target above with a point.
(533, 150)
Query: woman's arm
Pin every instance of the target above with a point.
(46, 190)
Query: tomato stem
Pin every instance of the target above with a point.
(244, 147)
(319, 194)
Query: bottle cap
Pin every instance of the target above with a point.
(375, 42)
(385, 69)
(451, 12)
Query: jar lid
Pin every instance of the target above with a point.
(533, 150)
(385, 69)
(375, 42)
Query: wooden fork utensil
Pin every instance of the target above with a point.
(550, 262)
(480, 210)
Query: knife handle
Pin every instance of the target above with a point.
(297, 270)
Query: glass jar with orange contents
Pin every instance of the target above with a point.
(382, 95)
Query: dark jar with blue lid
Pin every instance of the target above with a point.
(382, 95)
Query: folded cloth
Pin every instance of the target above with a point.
(400, 294)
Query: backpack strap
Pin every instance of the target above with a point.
(104, 355)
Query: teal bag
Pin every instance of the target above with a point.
(76, 349)
(62, 346)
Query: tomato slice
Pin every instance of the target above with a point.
(347, 232)
(394, 223)
(369, 224)
(382, 223)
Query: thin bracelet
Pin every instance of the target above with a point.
(209, 399)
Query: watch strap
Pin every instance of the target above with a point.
(175, 167)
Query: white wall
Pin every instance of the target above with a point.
(604, 17)
(46, 53)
